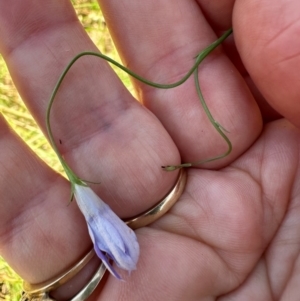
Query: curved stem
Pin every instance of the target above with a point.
(200, 57)
(216, 125)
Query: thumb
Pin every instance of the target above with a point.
(267, 38)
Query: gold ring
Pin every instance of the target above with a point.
(40, 292)
(161, 207)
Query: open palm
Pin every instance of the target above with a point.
(234, 233)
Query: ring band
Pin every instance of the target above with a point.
(40, 292)
(54, 283)
(36, 292)
(161, 207)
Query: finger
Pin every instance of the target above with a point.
(160, 42)
(40, 236)
(219, 16)
(106, 135)
(269, 46)
(218, 13)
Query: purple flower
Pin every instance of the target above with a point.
(110, 235)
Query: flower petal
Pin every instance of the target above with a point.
(108, 232)
(107, 263)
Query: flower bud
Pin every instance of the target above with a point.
(112, 238)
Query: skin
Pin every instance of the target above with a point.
(234, 233)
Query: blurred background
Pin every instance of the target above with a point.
(15, 112)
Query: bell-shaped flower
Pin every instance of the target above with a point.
(112, 238)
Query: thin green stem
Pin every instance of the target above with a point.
(200, 57)
(216, 125)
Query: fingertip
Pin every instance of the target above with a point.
(267, 40)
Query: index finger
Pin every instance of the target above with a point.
(107, 136)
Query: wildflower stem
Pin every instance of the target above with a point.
(200, 57)
(216, 125)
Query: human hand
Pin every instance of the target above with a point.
(233, 233)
